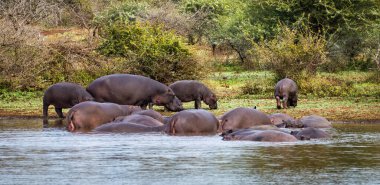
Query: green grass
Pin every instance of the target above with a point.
(362, 104)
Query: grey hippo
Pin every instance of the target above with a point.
(286, 89)
(192, 90)
(64, 95)
(128, 89)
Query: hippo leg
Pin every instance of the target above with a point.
(278, 102)
(197, 104)
(45, 110)
(59, 112)
(285, 102)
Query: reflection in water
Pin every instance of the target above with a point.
(34, 152)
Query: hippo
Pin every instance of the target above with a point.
(310, 133)
(139, 119)
(128, 89)
(260, 135)
(279, 118)
(286, 89)
(192, 90)
(88, 115)
(192, 122)
(128, 127)
(64, 95)
(151, 113)
(313, 121)
(243, 118)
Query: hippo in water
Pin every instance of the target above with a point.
(313, 121)
(259, 135)
(128, 127)
(286, 89)
(87, 115)
(243, 118)
(139, 119)
(192, 90)
(310, 133)
(279, 118)
(192, 122)
(127, 89)
(64, 95)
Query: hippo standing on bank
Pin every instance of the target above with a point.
(127, 89)
(192, 90)
(88, 115)
(192, 122)
(286, 89)
(243, 118)
(64, 95)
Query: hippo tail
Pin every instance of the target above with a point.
(70, 120)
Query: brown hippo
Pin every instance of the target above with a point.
(192, 90)
(313, 121)
(260, 135)
(127, 89)
(64, 95)
(279, 118)
(139, 119)
(88, 115)
(128, 127)
(286, 89)
(151, 113)
(192, 122)
(243, 118)
(310, 133)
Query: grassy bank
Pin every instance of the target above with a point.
(248, 89)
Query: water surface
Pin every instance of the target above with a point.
(31, 153)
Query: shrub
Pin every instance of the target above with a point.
(150, 51)
(292, 54)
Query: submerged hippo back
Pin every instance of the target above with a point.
(192, 122)
(88, 115)
(243, 118)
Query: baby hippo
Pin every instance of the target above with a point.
(191, 90)
(64, 95)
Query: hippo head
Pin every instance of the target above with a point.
(175, 105)
(85, 97)
(299, 136)
(169, 100)
(225, 125)
(211, 101)
(292, 124)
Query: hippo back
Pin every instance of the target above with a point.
(243, 118)
(192, 122)
(128, 89)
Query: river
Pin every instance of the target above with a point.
(33, 153)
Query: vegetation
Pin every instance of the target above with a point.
(239, 48)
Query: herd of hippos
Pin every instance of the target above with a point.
(118, 103)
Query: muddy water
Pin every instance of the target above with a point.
(31, 153)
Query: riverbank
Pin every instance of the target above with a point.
(334, 109)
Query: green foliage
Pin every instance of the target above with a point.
(344, 24)
(292, 54)
(121, 12)
(150, 51)
(258, 87)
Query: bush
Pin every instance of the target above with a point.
(150, 51)
(292, 54)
